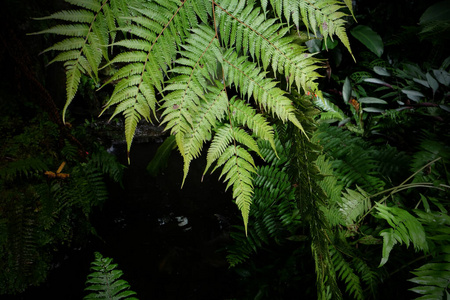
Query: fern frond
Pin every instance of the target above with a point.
(147, 60)
(104, 282)
(329, 183)
(247, 116)
(350, 158)
(433, 277)
(249, 31)
(270, 153)
(430, 148)
(367, 274)
(85, 48)
(405, 229)
(252, 82)
(354, 204)
(238, 164)
(321, 17)
(332, 111)
(347, 274)
(310, 198)
(195, 102)
(24, 167)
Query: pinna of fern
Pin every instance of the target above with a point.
(190, 58)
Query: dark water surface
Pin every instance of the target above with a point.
(165, 239)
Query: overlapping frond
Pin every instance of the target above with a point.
(238, 164)
(354, 204)
(104, 282)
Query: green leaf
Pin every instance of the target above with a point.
(369, 38)
(347, 90)
(389, 242)
(373, 110)
(377, 81)
(436, 12)
(432, 82)
(442, 76)
(381, 71)
(413, 95)
(371, 100)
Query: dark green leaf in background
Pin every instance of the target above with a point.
(369, 38)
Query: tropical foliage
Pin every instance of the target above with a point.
(359, 182)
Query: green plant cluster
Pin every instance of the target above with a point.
(48, 193)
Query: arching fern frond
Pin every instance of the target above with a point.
(196, 101)
(147, 59)
(238, 164)
(23, 167)
(354, 204)
(187, 56)
(89, 31)
(247, 116)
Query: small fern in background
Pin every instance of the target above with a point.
(104, 282)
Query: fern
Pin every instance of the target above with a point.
(187, 56)
(89, 30)
(324, 17)
(354, 204)
(433, 277)
(24, 167)
(311, 198)
(331, 111)
(105, 282)
(431, 147)
(333, 190)
(274, 215)
(347, 274)
(351, 158)
(20, 253)
(405, 229)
